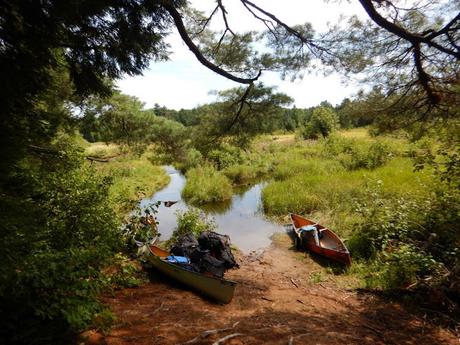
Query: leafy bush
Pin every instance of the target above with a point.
(205, 185)
(407, 239)
(192, 158)
(307, 132)
(353, 154)
(141, 226)
(192, 221)
(57, 234)
(404, 266)
(322, 122)
(225, 156)
(124, 272)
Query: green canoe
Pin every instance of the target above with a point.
(218, 289)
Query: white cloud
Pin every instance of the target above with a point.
(184, 83)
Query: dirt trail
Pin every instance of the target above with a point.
(275, 303)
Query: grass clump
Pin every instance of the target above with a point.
(193, 221)
(241, 173)
(205, 185)
(100, 149)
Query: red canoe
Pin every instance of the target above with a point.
(319, 240)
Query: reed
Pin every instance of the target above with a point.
(206, 184)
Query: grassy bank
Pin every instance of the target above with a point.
(133, 177)
(399, 224)
(326, 179)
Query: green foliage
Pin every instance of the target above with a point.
(310, 178)
(192, 159)
(354, 154)
(307, 132)
(241, 173)
(133, 178)
(409, 239)
(322, 122)
(206, 184)
(122, 119)
(193, 221)
(141, 227)
(403, 266)
(237, 122)
(123, 273)
(49, 60)
(225, 156)
(57, 233)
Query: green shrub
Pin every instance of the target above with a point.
(333, 145)
(55, 240)
(401, 267)
(407, 239)
(225, 156)
(125, 272)
(192, 159)
(354, 154)
(307, 132)
(192, 221)
(205, 185)
(322, 122)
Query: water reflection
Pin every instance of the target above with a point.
(241, 218)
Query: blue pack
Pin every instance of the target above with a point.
(178, 259)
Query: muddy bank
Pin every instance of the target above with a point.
(275, 303)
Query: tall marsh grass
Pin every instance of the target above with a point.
(132, 179)
(206, 184)
(330, 193)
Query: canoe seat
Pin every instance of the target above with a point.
(307, 228)
(314, 231)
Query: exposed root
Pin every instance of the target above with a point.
(224, 339)
(207, 333)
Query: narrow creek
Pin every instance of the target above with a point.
(241, 218)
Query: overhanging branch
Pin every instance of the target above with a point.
(176, 16)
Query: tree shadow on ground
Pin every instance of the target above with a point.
(184, 317)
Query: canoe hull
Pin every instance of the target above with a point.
(220, 290)
(330, 246)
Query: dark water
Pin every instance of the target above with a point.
(241, 218)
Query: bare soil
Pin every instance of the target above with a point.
(276, 302)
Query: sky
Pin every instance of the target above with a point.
(182, 82)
